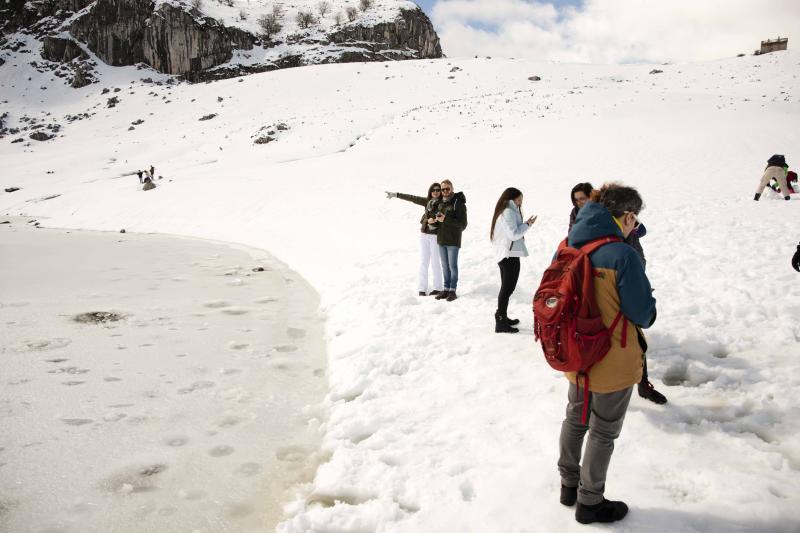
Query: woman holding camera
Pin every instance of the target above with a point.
(508, 237)
(429, 248)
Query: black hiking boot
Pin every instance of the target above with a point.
(435, 293)
(422, 293)
(442, 295)
(452, 296)
(501, 325)
(569, 495)
(604, 512)
(512, 321)
(649, 392)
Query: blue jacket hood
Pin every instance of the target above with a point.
(594, 221)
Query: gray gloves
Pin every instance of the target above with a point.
(390, 194)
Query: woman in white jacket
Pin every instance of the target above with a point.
(508, 236)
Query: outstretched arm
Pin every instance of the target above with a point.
(419, 200)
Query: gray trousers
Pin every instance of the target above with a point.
(606, 414)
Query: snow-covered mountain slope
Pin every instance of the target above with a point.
(436, 423)
(202, 40)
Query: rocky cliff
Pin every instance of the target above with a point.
(175, 38)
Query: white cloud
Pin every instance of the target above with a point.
(613, 31)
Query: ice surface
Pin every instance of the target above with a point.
(151, 422)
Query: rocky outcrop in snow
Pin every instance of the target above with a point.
(168, 38)
(411, 31)
(174, 38)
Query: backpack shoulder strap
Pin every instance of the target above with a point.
(591, 246)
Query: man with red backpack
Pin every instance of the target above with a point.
(623, 300)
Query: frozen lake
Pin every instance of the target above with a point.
(197, 410)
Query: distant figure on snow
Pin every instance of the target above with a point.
(452, 219)
(579, 195)
(148, 184)
(429, 248)
(152, 171)
(777, 170)
(139, 173)
(508, 236)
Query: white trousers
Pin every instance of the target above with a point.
(429, 257)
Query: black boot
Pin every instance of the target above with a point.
(649, 392)
(452, 295)
(569, 495)
(757, 196)
(502, 326)
(512, 321)
(434, 293)
(422, 293)
(442, 295)
(604, 512)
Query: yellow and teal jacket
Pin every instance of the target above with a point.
(623, 295)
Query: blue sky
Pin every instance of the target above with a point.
(427, 5)
(610, 31)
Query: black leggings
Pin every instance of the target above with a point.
(509, 274)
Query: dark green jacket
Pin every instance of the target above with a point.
(455, 221)
(431, 208)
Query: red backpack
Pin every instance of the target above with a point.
(566, 319)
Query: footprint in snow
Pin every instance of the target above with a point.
(235, 311)
(228, 421)
(217, 304)
(177, 442)
(77, 421)
(296, 333)
(248, 469)
(134, 479)
(220, 451)
(291, 454)
(42, 344)
(286, 348)
(197, 385)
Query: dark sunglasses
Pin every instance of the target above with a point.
(436, 190)
(446, 189)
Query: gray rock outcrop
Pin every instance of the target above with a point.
(173, 39)
(61, 50)
(169, 39)
(412, 32)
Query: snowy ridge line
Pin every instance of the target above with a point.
(435, 423)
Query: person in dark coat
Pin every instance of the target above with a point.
(580, 195)
(796, 259)
(452, 218)
(646, 388)
(139, 173)
(429, 247)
